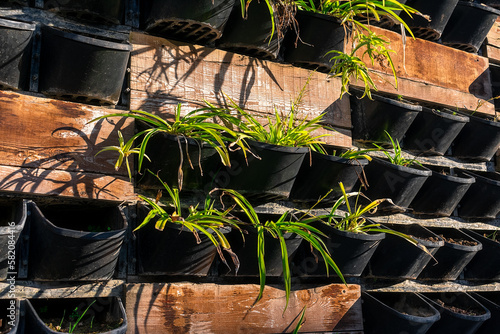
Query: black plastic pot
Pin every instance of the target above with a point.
(399, 183)
(310, 50)
(324, 174)
(482, 200)
(173, 251)
(439, 13)
(491, 3)
(468, 26)
(479, 140)
(81, 68)
(98, 11)
(491, 301)
(397, 258)
(268, 179)
(107, 310)
(15, 56)
(451, 258)
(164, 150)
(247, 252)
(251, 36)
(370, 118)
(432, 132)
(60, 249)
(12, 316)
(200, 21)
(350, 251)
(452, 321)
(441, 193)
(12, 221)
(396, 313)
(485, 265)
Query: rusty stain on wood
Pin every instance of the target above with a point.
(52, 134)
(83, 185)
(213, 308)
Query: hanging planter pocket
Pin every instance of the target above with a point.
(485, 265)
(460, 313)
(81, 68)
(432, 132)
(482, 200)
(399, 183)
(66, 243)
(173, 251)
(12, 221)
(468, 26)
(15, 59)
(167, 152)
(251, 35)
(12, 316)
(396, 313)
(371, 118)
(479, 140)
(439, 12)
(105, 315)
(97, 11)
(311, 49)
(457, 251)
(350, 251)
(201, 21)
(396, 258)
(324, 174)
(441, 193)
(491, 301)
(266, 179)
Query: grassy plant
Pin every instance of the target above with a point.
(206, 220)
(397, 157)
(277, 229)
(301, 320)
(195, 124)
(75, 316)
(355, 154)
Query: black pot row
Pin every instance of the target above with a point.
(72, 66)
(40, 315)
(61, 242)
(443, 312)
(422, 130)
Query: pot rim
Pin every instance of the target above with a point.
(475, 248)
(19, 226)
(479, 6)
(125, 46)
(405, 105)
(481, 317)
(465, 179)
(19, 25)
(416, 169)
(483, 178)
(278, 148)
(319, 16)
(361, 236)
(333, 158)
(447, 114)
(473, 118)
(426, 243)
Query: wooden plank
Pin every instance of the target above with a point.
(492, 50)
(434, 73)
(53, 134)
(213, 308)
(164, 73)
(83, 185)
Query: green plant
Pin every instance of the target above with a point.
(277, 229)
(397, 157)
(206, 220)
(301, 320)
(195, 124)
(76, 317)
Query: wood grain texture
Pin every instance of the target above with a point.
(83, 185)
(433, 73)
(211, 308)
(52, 134)
(492, 43)
(164, 73)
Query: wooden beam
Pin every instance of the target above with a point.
(492, 50)
(83, 185)
(38, 132)
(214, 308)
(164, 73)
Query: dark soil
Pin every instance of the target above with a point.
(83, 327)
(430, 239)
(471, 311)
(463, 242)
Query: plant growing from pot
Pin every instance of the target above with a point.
(192, 132)
(351, 237)
(277, 230)
(206, 223)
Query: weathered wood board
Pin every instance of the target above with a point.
(39, 132)
(434, 73)
(492, 45)
(212, 308)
